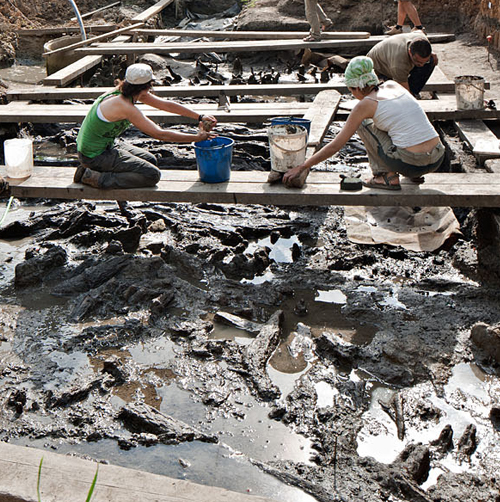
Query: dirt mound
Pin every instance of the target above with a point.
(366, 15)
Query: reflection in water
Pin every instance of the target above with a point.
(467, 399)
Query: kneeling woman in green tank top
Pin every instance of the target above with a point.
(106, 163)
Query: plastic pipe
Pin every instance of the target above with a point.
(79, 19)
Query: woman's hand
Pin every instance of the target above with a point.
(293, 173)
(207, 123)
(204, 135)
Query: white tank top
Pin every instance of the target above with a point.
(404, 120)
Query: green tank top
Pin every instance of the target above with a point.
(96, 135)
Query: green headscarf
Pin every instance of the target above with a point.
(359, 73)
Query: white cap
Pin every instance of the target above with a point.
(139, 73)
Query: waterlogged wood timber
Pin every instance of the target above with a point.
(251, 187)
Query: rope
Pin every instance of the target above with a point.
(6, 210)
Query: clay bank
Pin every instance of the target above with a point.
(262, 349)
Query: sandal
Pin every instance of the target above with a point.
(418, 180)
(311, 38)
(384, 186)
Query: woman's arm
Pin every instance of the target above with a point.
(363, 110)
(147, 126)
(170, 106)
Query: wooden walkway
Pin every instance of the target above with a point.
(321, 189)
(46, 93)
(444, 108)
(129, 48)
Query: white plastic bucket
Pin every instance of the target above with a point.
(469, 90)
(287, 145)
(18, 154)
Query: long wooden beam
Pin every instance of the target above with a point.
(60, 30)
(444, 108)
(45, 93)
(321, 189)
(92, 40)
(237, 46)
(19, 112)
(253, 35)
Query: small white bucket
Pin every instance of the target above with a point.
(18, 153)
(469, 90)
(287, 145)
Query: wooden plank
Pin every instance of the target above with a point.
(321, 113)
(153, 10)
(480, 139)
(91, 13)
(60, 30)
(235, 46)
(72, 71)
(439, 189)
(18, 112)
(92, 40)
(254, 35)
(46, 93)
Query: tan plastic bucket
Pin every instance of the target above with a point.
(469, 90)
(287, 145)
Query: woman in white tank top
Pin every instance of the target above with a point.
(397, 134)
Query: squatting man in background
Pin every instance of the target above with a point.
(408, 59)
(106, 163)
(396, 132)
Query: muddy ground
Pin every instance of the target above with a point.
(252, 347)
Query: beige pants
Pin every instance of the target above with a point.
(316, 16)
(385, 157)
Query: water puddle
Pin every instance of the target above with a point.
(281, 250)
(467, 399)
(23, 73)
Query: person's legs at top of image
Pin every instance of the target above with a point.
(325, 21)
(405, 8)
(314, 15)
(411, 11)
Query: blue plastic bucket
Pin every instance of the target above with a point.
(213, 158)
(292, 120)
